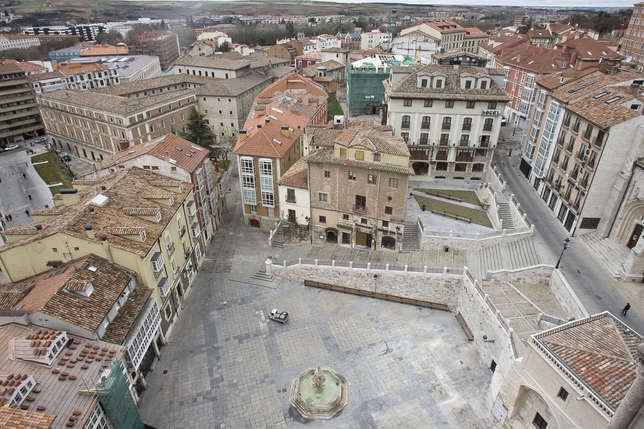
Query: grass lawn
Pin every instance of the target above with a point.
(467, 196)
(224, 164)
(333, 108)
(478, 217)
(50, 172)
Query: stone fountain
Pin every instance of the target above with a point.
(319, 394)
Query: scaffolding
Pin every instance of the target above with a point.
(117, 402)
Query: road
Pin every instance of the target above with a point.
(16, 188)
(591, 283)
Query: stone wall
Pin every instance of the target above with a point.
(433, 242)
(439, 288)
(566, 296)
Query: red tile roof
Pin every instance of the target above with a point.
(265, 136)
(600, 351)
(183, 153)
(18, 419)
(297, 176)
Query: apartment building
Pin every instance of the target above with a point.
(20, 117)
(216, 67)
(374, 39)
(449, 117)
(91, 298)
(589, 141)
(134, 218)
(267, 147)
(160, 44)
(86, 31)
(633, 43)
(415, 43)
(82, 77)
(174, 157)
(97, 123)
(17, 41)
(449, 35)
(585, 373)
(358, 188)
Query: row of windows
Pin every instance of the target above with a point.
(408, 102)
(426, 121)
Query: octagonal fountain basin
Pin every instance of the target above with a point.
(319, 394)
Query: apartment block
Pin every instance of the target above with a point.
(449, 35)
(20, 117)
(178, 159)
(358, 188)
(633, 43)
(97, 123)
(135, 218)
(374, 39)
(449, 117)
(160, 44)
(590, 138)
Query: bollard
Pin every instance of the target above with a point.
(444, 270)
(284, 264)
(368, 266)
(350, 264)
(269, 267)
(333, 263)
(425, 269)
(299, 261)
(316, 262)
(451, 234)
(504, 233)
(539, 317)
(386, 267)
(405, 267)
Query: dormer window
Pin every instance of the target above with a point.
(467, 83)
(439, 82)
(171, 200)
(483, 84)
(181, 187)
(158, 216)
(143, 235)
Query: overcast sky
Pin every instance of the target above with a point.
(535, 3)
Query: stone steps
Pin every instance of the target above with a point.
(507, 256)
(410, 237)
(506, 215)
(606, 252)
(278, 238)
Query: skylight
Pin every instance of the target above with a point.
(600, 95)
(614, 99)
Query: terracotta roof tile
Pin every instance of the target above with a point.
(267, 138)
(19, 419)
(183, 153)
(326, 156)
(297, 176)
(118, 329)
(600, 351)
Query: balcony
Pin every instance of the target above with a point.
(405, 125)
(290, 198)
(446, 126)
(359, 209)
(598, 141)
(443, 142)
(584, 184)
(580, 155)
(164, 287)
(467, 127)
(487, 127)
(170, 248)
(441, 156)
(485, 143)
(182, 231)
(463, 142)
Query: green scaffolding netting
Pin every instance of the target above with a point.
(117, 402)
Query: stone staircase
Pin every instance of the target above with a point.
(410, 237)
(606, 252)
(260, 278)
(505, 215)
(278, 238)
(507, 256)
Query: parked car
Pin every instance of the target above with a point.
(503, 121)
(66, 158)
(40, 140)
(11, 147)
(278, 316)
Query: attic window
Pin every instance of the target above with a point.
(531, 62)
(579, 88)
(601, 94)
(636, 107)
(614, 99)
(171, 199)
(590, 53)
(92, 268)
(143, 235)
(181, 187)
(158, 216)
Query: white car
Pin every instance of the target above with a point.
(40, 140)
(11, 147)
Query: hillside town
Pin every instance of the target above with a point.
(445, 220)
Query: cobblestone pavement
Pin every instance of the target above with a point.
(229, 366)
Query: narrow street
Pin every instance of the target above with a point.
(594, 287)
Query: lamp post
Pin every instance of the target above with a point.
(565, 246)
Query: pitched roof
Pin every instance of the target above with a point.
(498, 44)
(297, 176)
(19, 419)
(26, 66)
(331, 65)
(104, 50)
(211, 62)
(183, 153)
(62, 386)
(293, 83)
(474, 32)
(445, 27)
(600, 351)
(265, 136)
(326, 156)
(535, 59)
(119, 328)
(588, 48)
(452, 90)
(233, 87)
(130, 188)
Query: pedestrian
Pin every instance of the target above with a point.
(29, 196)
(10, 217)
(626, 308)
(26, 164)
(27, 213)
(24, 176)
(6, 217)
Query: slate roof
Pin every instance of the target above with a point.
(138, 86)
(129, 188)
(600, 351)
(15, 418)
(234, 87)
(408, 86)
(297, 176)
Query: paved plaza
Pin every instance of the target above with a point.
(229, 366)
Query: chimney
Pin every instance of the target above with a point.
(54, 65)
(285, 131)
(69, 196)
(166, 156)
(89, 231)
(242, 135)
(106, 246)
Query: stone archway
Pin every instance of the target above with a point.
(632, 213)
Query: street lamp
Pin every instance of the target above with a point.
(566, 245)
